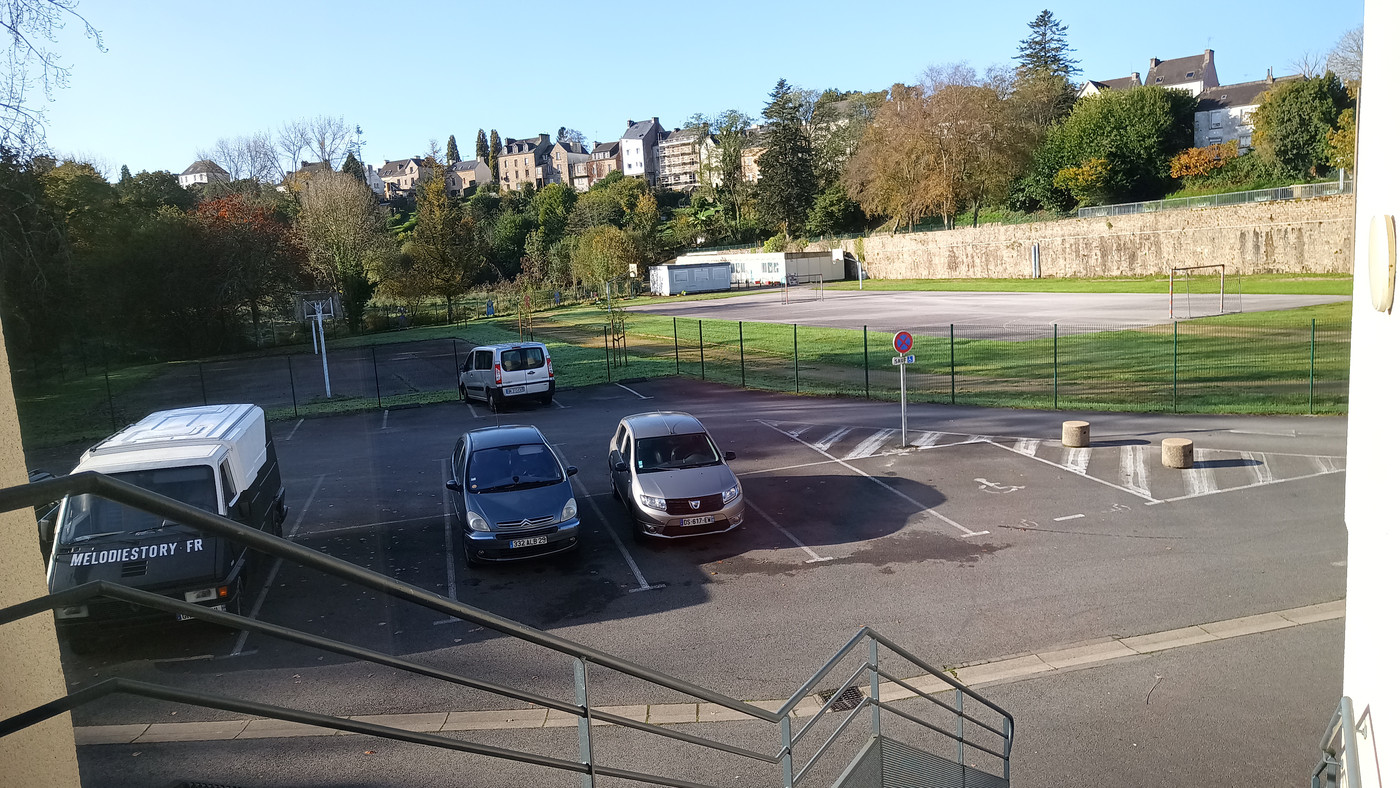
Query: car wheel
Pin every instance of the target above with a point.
(639, 535)
(471, 559)
(612, 481)
(547, 398)
(462, 392)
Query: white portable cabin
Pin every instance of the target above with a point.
(691, 277)
(775, 268)
(187, 436)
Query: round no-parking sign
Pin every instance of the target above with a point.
(903, 342)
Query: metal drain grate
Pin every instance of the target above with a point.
(848, 700)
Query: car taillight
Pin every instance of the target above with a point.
(549, 365)
(498, 374)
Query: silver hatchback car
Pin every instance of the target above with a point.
(673, 479)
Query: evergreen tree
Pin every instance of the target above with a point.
(1045, 53)
(452, 155)
(483, 152)
(493, 156)
(353, 166)
(788, 182)
(1294, 119)
(126, 175)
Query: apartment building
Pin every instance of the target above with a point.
(203, 171)
(401, 175)
(606, 157)
(1225, 112)
(678, 159)
(464, 175)
(639, 149)
(523, 161)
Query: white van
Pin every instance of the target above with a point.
(496, 374)
(219, 458)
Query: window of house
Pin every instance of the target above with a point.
(1215, 140)
(1215, 119)
(1190, 74)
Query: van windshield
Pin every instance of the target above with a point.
(522, 358)
(87, 516)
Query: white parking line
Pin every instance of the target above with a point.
(447, 537)
(870, 445)
(294, 429)
(1067, 517)
(1077, 461)
(814, 559)
(276, 565)
(380, 524)
(1262, 472)
(1200, 481)
(557, 404)
(1244, 486)
(624, 388)
(1132, 469)
(475, 415)
(1026, 446)
(966, 531)
(384, 425)
(927, 439)
(642, 584)
(827, 442)
(1051, 463)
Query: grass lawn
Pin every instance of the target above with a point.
(1282, 284)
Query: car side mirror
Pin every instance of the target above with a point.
(46, 528)
(620, 467)
(571, 470)
(454, 486)
(729, 455)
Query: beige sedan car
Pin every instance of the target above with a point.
(673, 479)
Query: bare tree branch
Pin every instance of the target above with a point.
(28, 64)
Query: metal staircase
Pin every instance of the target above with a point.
(947, 734)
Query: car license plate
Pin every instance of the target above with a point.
(529, 542)
(706, 520)
(511, 391)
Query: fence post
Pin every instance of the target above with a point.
(865, 340)
(107, 376)
(676, 341)
(292, 380)
(203, 393)
(796, 379)
(374, 362)
(456, 362)
(1175, 362)
(607, 356)
(1057, 366)
(742, 383)
(1312, 363)
(700, 326)
(952, 369)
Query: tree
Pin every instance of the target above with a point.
(1136, 132)
(788, 183)
(36, 271)
(1341, 143)
(125, 176)
(604, 254)
(1292, 123)
(29, 66)
(353, 166)
(346, 237)
(1045, 52)
(552, 206)
(444, 246)
(493, 157)
(1199, 162)
(147, 192)
(567, 135)
(252, 252)
(887, 174)
(452, 155)
(325, 138)
(838, 121)
(721, 173)
(483, 149)
(253, 156)
(1345, 58)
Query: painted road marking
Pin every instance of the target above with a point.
(447, 538)
(870, 445)
(1026, 446)
(1132, 469)
(633, 392)
(380, 524)
(384, 425)
(826, 443)
(1068, 517)
(966, 531)
(1246, 486)
(642, 584)
(1149, 498)
(276, 565)
(1288, 434)
(1262, 472)
(814, 559)
(1200, 481)
(294, 429)
(995, 487)
(1077, 461)
(475, 415)
(557, 404)
(927, 439)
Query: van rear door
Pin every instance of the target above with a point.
(523, 370)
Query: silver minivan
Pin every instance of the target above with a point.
(673, 479)
(496, 374)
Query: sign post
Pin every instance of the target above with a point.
(903, 343)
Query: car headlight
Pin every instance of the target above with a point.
(570, 509)
(731, 494)
(652, 502)
(476, 522)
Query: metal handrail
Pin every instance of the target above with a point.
(936, 701)
(835, 697)
(1343, 721)
(127, 494)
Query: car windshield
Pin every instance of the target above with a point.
(669, 452)
(87, 516)
(521, 358)
(512, 468)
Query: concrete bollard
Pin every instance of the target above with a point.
(1075, 434)
(1177, 452)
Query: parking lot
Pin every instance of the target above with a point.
(980, 539)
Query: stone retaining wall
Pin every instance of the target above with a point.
(1301, 236)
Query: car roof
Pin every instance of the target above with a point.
(505, 435)
(509, 345)
(662, 422)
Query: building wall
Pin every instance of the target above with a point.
(1373, 542)
(1313, 236)
(44, 755)
(1235, 124)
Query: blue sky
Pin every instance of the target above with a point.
(179, 74)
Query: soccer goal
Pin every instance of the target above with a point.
(794, 290)
(1202, 290)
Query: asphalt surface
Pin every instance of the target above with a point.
(975, 314)
(990, 540)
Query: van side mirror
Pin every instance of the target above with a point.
(241, 506)
(454, 486)
(571, 470)
(46, 529)
(729, 455)
(620, 467)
